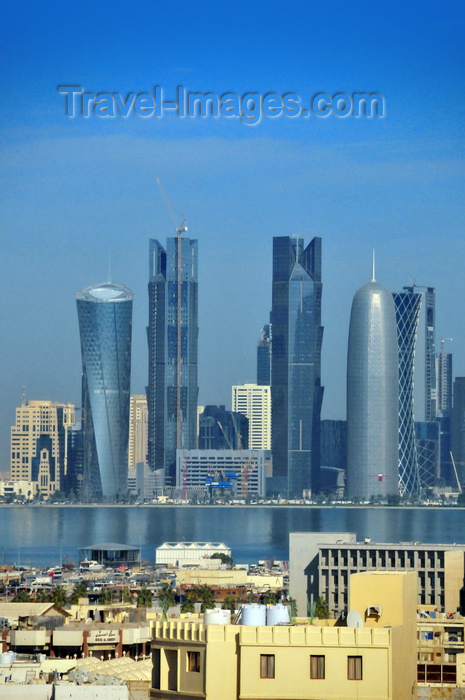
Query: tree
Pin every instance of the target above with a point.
(230, 603)
(269, 598)
(166, 599)
(80, 591)
(188, 604)
(393, 499)
(126, 596)
(321, 608)
(144, 598)
(59, 596)
(22, 597)
(106, 596)
(225, 558)
(43, 596)
(204, 595)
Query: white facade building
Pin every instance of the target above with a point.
(254, 401)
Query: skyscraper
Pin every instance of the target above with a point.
(138, 430)
(254, 401)
(172, 339)
(296, 391)
(407, 303)
(105, 318)
(264, 356)
(458, 428)
(39, 445)
(430, 356)
(372, 394)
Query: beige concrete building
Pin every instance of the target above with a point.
(321, 565)
(138, 430)
(39, 444)
(238, 662)
(254, 401)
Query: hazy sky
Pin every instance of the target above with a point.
(75, 192)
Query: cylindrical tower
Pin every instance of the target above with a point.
(372, 394)
(105, 318)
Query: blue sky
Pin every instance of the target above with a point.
(75, 192)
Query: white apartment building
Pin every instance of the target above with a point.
(254, 401)
(138, 430)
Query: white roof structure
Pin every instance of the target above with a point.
(172, 552)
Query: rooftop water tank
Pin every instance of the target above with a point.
(216, 617)
(277, 614)
(253, 614)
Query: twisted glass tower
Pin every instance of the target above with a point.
(372, 394)
(105, 318)
(296, 391)
(172, 334)
(408, 304)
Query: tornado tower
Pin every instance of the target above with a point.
(105, 318)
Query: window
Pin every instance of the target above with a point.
(193, 661)
(317, 666)
(354, 668)
(266, 665)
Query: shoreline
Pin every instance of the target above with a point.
(229, 506)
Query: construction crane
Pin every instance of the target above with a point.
(246, 465)
(179, 231)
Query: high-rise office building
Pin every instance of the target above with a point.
(296, 391)
(39, 445)
(105, 318)
(138, 430)
(372, 394)
(172, 339)
(430, 356)
(264, 356)
(254, 402)
(444, 380)
(408, 304)
(220, 429)
(458, 428)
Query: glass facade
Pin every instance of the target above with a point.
(408, 304)
(165, 373)
(296, 391)
(105, 319)
(372, 394)
(430, 356)
(264, 356)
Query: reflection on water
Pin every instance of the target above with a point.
(41, 535)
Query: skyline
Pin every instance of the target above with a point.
(76, 192)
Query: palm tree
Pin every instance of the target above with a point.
(166, 599)
(59, 596)
(126, 596)
(229, 603)
(269, 598)
(80, 591)
(207, 599)
(106, 597)
(22, 597)
(144, 598)
(188, 604)
(43, 596)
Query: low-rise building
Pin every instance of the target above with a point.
(321, 565)
(235, 662)
(194, 553)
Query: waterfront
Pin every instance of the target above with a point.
(40, 536)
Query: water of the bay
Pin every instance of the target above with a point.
(42, 536)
